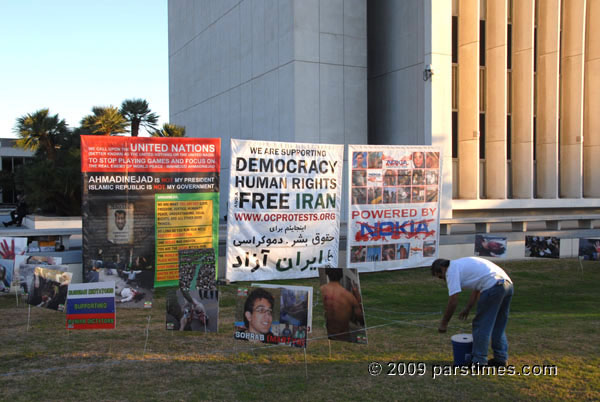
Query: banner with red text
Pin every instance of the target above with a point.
(140, 201)
(393, 213)
(284, 209)
(91, 306)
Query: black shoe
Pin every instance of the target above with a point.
(5, 224)
(496, 363)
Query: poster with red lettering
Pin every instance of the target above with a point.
(393, 206)
(144, 199)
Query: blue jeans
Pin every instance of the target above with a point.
(490, 321)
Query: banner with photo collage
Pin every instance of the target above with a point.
(394, 201)
(284, 209)
(144, 199)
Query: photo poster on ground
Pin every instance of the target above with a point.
(294, 296)
(91, 306)
(589, 249)
(23, 272)
(10, 249)
(6, 275)
(490, 246)
(192, 310)
(393, 206)
(342, 303)
(197, 268)
(542, 247)
(49, 288)
(284, 209)
(20, 281)
(131, 175)
(259, 317)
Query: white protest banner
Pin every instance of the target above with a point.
(393, 214)
(284, 209)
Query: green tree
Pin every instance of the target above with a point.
(137, 113)
(105, 121)
(39, 131)
(54, 186)
(170, 130)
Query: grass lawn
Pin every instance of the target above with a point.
(554, 321)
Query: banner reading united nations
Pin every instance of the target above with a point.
(144, 199)
(284, 209)
(393, 213)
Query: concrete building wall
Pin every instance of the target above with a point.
(280, 70)
(404, 38)
(296, 70)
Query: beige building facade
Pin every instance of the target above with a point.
(529, 146)
(508, 89)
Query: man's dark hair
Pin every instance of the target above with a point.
(436, 267)
(334, 274)
(120, 212)
(258, 293)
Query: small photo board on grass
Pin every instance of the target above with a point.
(296, 310)
(49, 288)
(490, 246)
(192, 310)
(542, 247)
(260, 316)
(23, 273)
(91, 306)
(589, 249)
(24, 266)
(342, 301)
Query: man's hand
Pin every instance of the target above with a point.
(443, 328)
(464, 314)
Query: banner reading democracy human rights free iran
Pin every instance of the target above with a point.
(284, 209)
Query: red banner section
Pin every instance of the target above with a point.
(141, 154)
(91, 321)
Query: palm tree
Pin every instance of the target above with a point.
(40, 130)
(105, 121)
(137, 112)
(170, 130)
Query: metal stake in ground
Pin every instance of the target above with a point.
(305, 364)
(147, 334)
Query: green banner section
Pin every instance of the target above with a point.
(183, 221)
